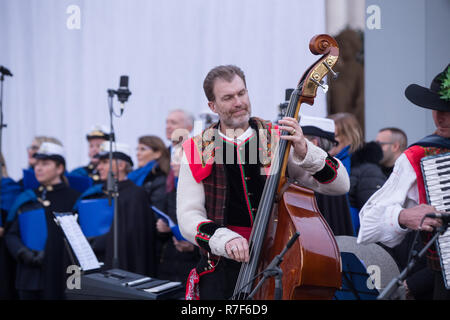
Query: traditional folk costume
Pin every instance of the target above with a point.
(405, 187)
(219, 189)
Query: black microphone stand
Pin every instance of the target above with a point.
(395, 283)
(274, 270)
(112, 184)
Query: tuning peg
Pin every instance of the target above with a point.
(335, 75)
(320, 84)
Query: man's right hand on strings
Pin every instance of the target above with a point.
(237, 249)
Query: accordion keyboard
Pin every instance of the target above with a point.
(436, 174)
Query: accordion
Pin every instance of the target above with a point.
(436, 175)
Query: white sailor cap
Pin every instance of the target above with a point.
(52, 151)
(316, 126)
(121, 151)
(98, 131)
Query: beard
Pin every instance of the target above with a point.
(236, 119)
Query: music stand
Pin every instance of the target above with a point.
(370, 255)
(354, 280)
(77, 242)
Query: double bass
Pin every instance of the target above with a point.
(311, 268)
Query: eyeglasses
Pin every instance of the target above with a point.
(33, 148)
(383, 143)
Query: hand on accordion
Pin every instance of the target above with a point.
(414, 218)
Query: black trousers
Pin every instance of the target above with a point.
(219, 285)
(440, 292)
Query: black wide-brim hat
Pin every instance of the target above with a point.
(429, 98)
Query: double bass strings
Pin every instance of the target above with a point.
(255, 242)
(248, 269)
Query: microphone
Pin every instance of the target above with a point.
(123, 93)
(5, 71)
(445, 217)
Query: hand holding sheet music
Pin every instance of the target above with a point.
(174, 227)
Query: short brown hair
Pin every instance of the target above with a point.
(226, 73)
(157, 144)
(398, 135)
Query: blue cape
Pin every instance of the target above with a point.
(138, 176)
(26, 196)
(29, 179)
(76, 181)
(81, 171)
(95, 216)
(95, 189)
(10, 190)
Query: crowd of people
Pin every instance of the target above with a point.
(363, 189)
(34, 258)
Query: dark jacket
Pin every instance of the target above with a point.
(336, 211)
(136, 232)
(155, 187)
(366, 176)
(172, 264)
(49, 276)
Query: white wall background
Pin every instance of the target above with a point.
(165, 46)
(342, 14)
(409, 44)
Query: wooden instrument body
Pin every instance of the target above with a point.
(311, 267)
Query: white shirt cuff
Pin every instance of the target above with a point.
(314, 160)
(218, 240)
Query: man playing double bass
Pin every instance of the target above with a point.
(222, 177)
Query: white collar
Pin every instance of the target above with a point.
(239, 139)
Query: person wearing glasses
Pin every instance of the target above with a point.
(35, 145)
(393, 142)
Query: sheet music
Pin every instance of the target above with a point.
(164, 216)
(80, 246)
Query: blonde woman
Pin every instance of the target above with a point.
(361, 160)
(348, 134)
